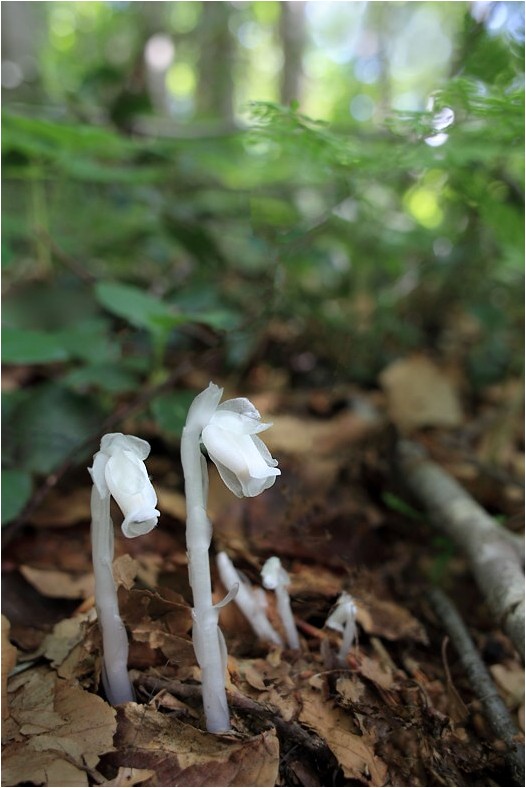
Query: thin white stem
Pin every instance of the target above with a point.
(349, 636)
(207, 638)
(285, 611)
(248, 600)
(114, 639)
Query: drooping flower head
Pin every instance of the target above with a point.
(344, 611)
(119, 470)
(229, 432)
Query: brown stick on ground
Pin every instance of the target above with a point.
(498, 715)
(492, 552)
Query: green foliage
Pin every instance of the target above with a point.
(49, 424)
(396, 504)
(20, 346)
(16, 489)
(138, 307)
(351, 242)
(170, 410)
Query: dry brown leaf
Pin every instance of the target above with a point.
(308, 579)
(350, 689)
(251, 675)
(185, 756)
(125, 569)
(354, 752)
(65, 729)
(9, 653)
(56, 584)
(62, 509)
(20, 767)
(420, 394)
(127, 777)
(389, 620)
(287, 704)
(171, 502)
(510, 679)
(150, 567)
(379, 674)
(65, 636)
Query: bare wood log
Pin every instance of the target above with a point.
(491, 550)
(497, 714)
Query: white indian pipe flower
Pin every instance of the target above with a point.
(343, 619)
(229, 434)
(118, 470)
(277, 579)
(251, 601)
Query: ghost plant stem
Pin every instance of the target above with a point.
(207, 638)
(115, 678)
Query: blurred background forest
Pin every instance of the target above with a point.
(289, 194)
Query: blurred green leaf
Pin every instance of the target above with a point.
(47, 426)
(170, 410)
(20, 346)
(16, 491)
(137, 306)
(220, 319)
(90, 341)
(115, 379)
(396, 504)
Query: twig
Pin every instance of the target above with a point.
(492, 552)
(497, 714)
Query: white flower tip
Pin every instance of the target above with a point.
(116, 440)
(203, 407)
(273, 574)
(140, 523)
(345, 609)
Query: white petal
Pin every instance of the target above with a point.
(130, 486)
(140, 522)
(241, 405)
(203, 407)
(237, 452)
(273, 573)
(236, 422)
(267, 456)
(115, 441)
(230, 479)
(97, 473)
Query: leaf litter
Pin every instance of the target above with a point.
(397, 714)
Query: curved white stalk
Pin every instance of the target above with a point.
(251, 601)
(343, 619)
(275, 577)
(118, 469)
(116, 682)
(206, 635)
(229, 433)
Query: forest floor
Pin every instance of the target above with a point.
(401, 712)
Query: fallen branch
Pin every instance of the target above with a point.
(293, 732)
(497, 714)
(492, 552)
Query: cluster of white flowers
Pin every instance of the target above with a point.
(229, 433)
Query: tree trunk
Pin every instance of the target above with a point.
(292, 26)
(215, 100)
